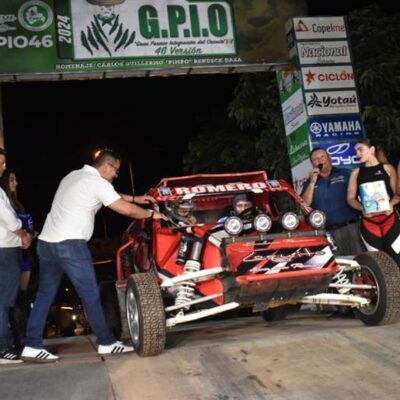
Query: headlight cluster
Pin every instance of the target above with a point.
(234, 225)
(262, 223)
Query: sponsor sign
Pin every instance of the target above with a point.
(334, 128)
(294, 112)
(288, 83)
(342, 153)
(332, 52)
(318, 28)
(298, 144)
(64, 36)
(332, 102)
(332, 77)
(147, 29)
(300, 173)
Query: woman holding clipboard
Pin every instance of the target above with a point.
(371, 190)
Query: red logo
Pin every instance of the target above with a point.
(310, 76)
(301, 26)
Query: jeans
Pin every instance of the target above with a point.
(72, 257)
(9, 283)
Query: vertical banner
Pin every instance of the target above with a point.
(320, 52)
(295, 121)
(1, 123)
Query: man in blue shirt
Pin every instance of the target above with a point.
(326, 190)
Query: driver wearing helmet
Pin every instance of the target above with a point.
(243, 206)
(183, 213)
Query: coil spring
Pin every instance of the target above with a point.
(186, 288)
(342, 278)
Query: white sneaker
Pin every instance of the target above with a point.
(114, 348)
(10, 357)
(38, 355)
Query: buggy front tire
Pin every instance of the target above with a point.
(380, 270)
(145, 314)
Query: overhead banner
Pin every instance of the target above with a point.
(57, 36)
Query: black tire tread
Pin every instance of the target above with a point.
(389, 271)
(151, 314)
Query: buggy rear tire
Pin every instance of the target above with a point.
(145, 314)
(379, 269)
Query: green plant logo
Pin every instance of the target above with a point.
(35, 15)
(106, 33)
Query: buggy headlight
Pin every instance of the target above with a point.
(233, 225)
(290, 221)
(317, 219)
(262, 223)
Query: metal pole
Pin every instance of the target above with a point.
(131, 177)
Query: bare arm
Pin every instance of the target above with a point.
(138, 199)
(352, 191)
(393, 183)
(131, 210)
(398, 180)
(308, 194)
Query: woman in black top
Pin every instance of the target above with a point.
(380, 225)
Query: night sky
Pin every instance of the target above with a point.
(52, 128)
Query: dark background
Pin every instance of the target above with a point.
(52, 128)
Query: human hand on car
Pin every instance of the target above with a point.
(145, 199)
(158, 215)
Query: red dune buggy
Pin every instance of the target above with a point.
(273, 255)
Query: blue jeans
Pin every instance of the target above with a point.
(72, 257)
(9, 283)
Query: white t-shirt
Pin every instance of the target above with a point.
(78, 198)
(8, 223)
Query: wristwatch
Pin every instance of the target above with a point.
(151, 213)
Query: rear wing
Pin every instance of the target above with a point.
(214, 179)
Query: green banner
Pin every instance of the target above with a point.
(298, 144)
(59, 36)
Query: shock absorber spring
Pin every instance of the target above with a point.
(341, 278)
(186, 288)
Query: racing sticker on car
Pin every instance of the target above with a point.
(256, 187)
(266, 261)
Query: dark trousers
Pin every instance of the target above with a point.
(72, 257)
(9, 283)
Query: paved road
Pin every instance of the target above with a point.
(309, 356)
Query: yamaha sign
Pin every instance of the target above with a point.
(344, 127)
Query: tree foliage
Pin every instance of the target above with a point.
(251, 135)
(375, 38)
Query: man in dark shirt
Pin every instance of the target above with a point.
(326, 190)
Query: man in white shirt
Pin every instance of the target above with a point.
(12, 238)
(62, 248)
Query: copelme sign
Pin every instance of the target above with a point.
(323, 129)
(318, 28)
(332, 77)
